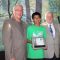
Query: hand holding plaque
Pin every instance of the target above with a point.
(38, 42)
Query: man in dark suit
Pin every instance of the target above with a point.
(53, 37)
(14, 35)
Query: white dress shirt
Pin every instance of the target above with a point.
(53, 29)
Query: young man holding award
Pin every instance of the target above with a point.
(36, 36)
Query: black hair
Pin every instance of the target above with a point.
(36, 13)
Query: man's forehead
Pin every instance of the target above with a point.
(49, 13)
(18, 7)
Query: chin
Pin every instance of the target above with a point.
(19, 17)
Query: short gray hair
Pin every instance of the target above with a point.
(47, 13)
(17, 5)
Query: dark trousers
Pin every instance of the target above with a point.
(34, 59)
(2, 55)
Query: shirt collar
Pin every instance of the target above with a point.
(49, 24)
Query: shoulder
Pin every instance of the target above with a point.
(24, 24)
(44, 24)
(8, 21)
(57, 26)
(30, 26)
(7, 24)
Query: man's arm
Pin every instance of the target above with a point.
(7, 40)
(59, 38)
(45, 37)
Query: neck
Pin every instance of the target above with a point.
(18, 20)
(49, 23)
(37, 24)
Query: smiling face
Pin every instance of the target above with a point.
(49, 17)
(36, 20)
(18, 12)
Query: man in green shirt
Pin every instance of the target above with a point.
(35, 29)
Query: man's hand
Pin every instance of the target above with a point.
(25, 42)
(45, 48)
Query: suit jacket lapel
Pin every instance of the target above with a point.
(48, 32)
(18, 26)
(56, 31)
